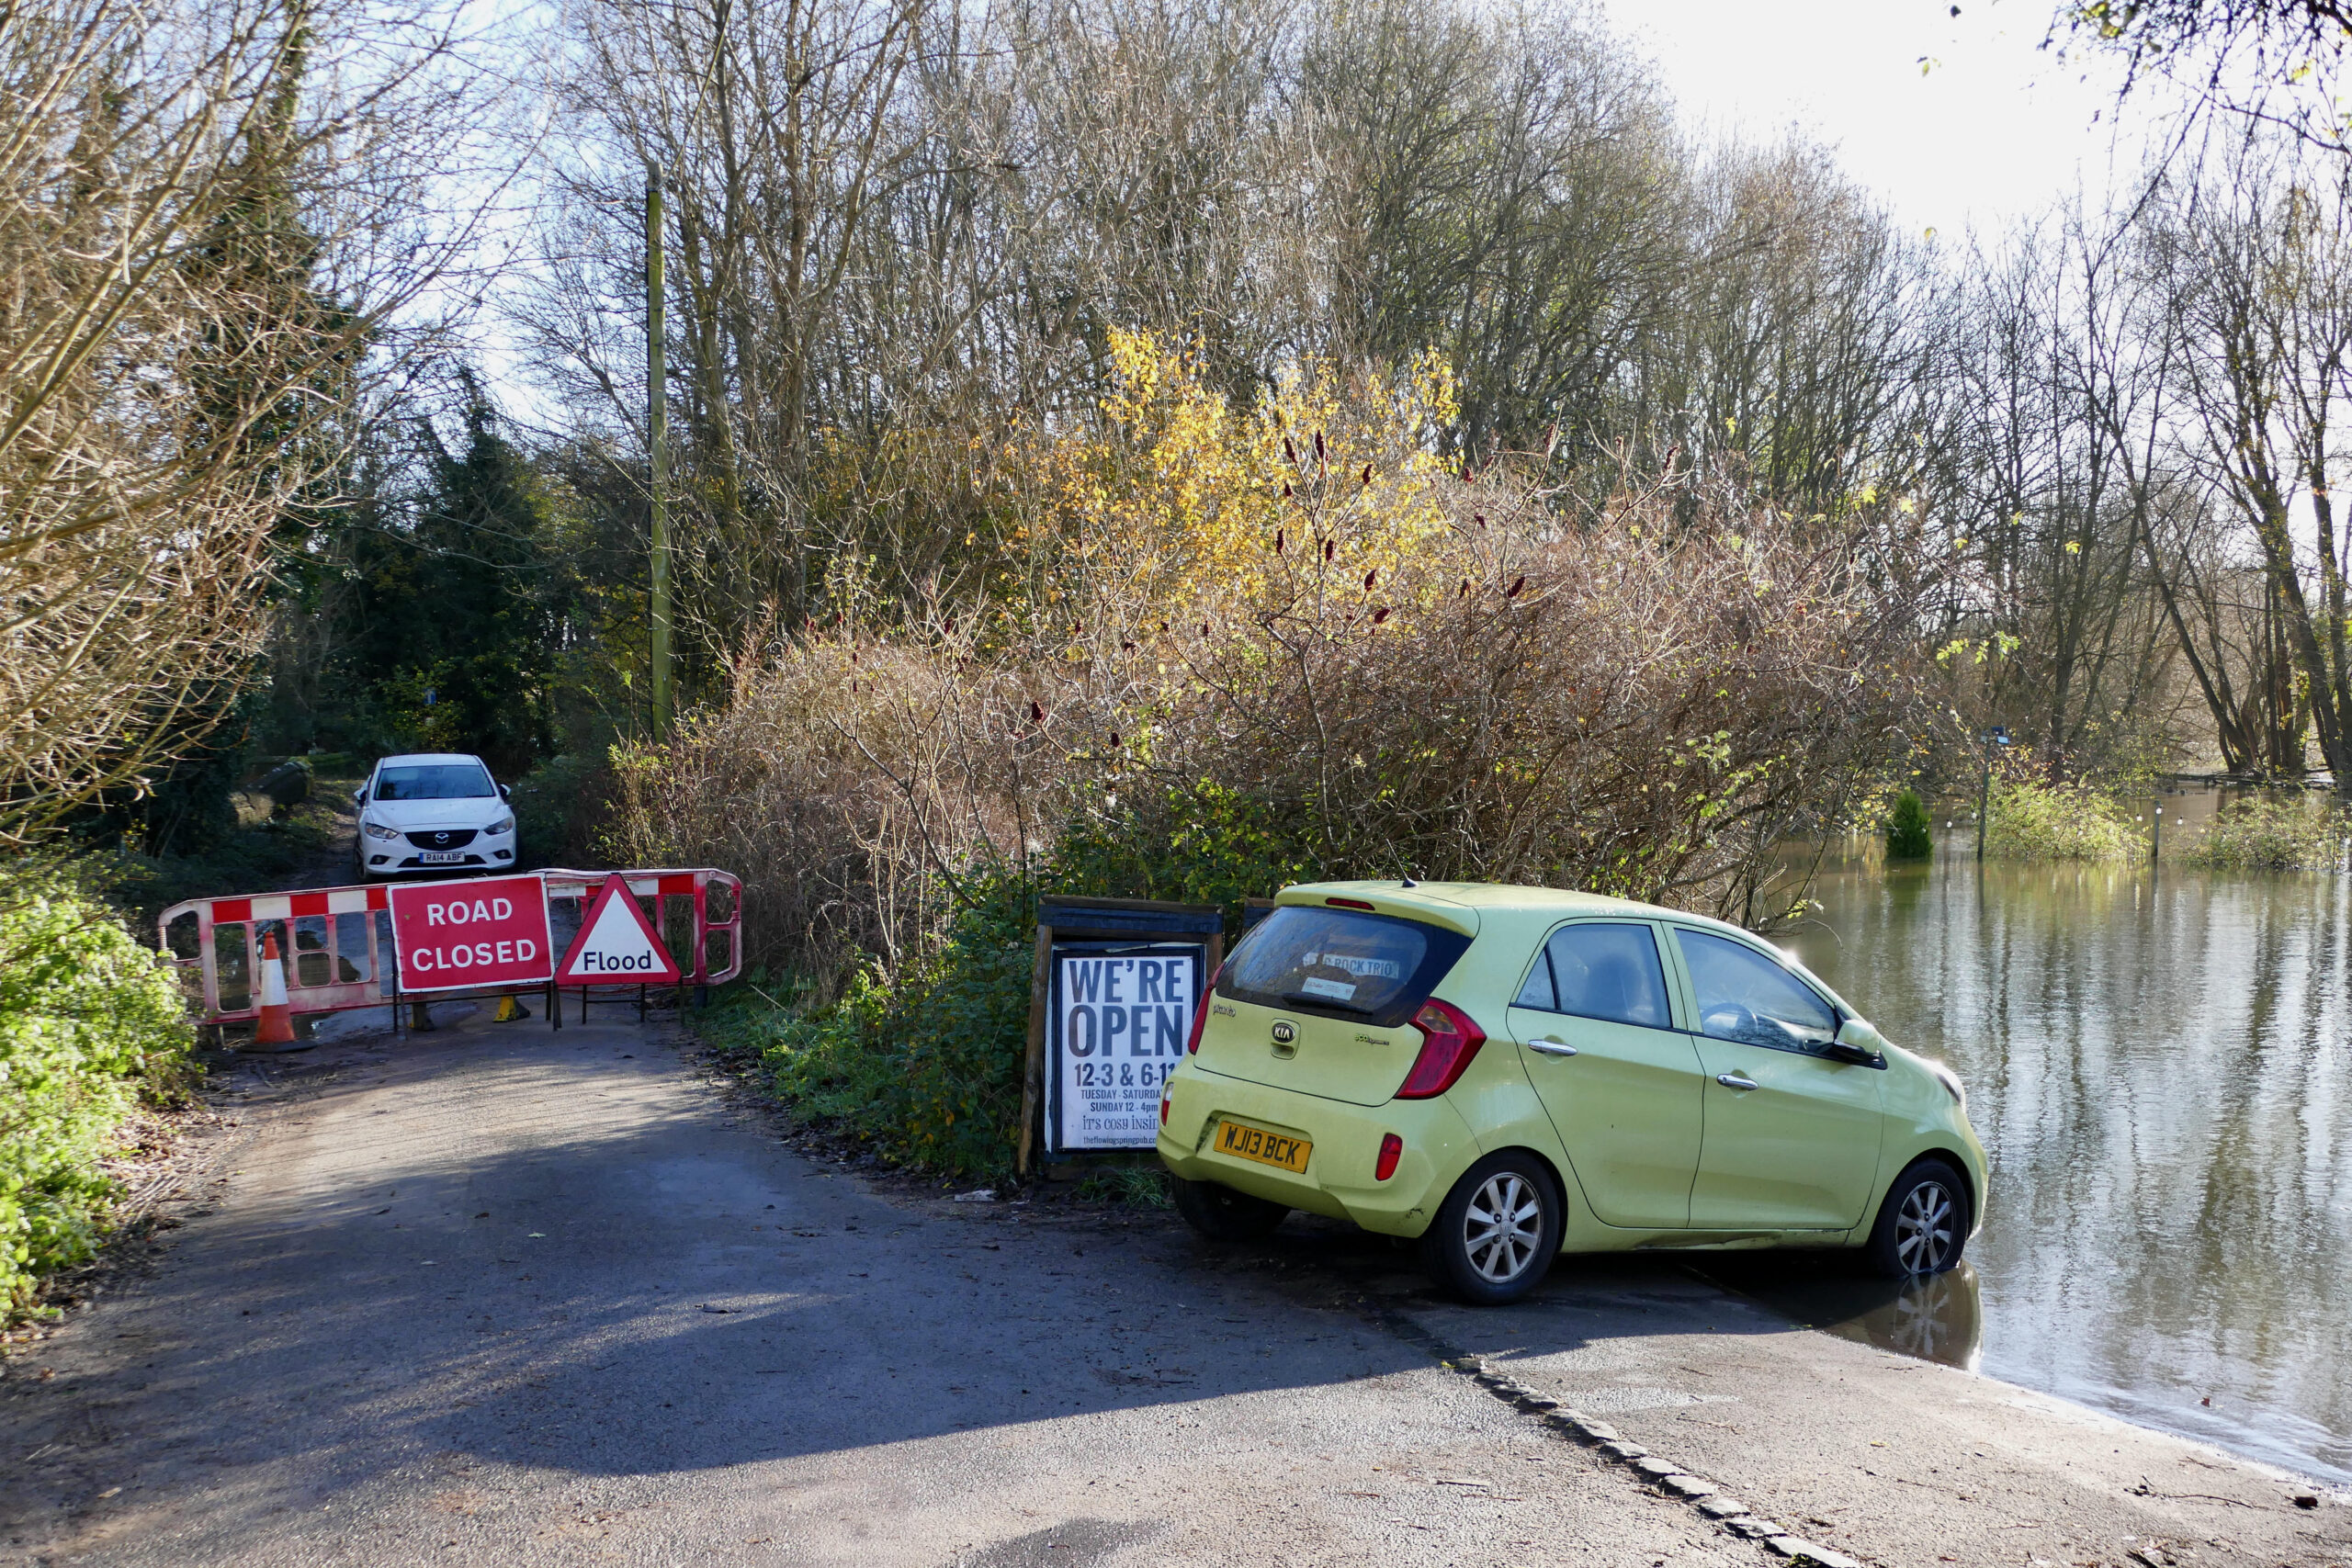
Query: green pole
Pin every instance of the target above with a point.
(1984, 793)
(657, 425)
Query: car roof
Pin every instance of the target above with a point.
(1456, 905)
(1449, 903)
(429, 758)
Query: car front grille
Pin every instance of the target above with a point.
(442, 839)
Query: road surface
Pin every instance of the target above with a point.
(502, 1295)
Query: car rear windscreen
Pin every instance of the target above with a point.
(1342, 963)
(433, 781)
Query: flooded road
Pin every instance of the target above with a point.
(2162, 1070)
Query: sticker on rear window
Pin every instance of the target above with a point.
(1382, 968)
(1376, 967)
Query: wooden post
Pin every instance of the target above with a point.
(1033, 1076)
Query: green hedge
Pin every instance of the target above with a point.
(2063, 821)
(89, 1023)
(926, 1071)
(2273, 833)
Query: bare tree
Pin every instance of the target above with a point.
(208, 213)
(2270, 63)
(2255, 254)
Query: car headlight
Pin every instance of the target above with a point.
(1951, 1080)
(378, 831)
(504, 824)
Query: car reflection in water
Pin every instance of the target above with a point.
(1933, 1318)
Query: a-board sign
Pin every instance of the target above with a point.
(1112, 995)
(454, 936)
(1122, 1013)
(616, 945)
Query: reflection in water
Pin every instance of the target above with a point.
(1937, 1317)
(2162, 1071)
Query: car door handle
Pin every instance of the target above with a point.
(1552, 1048)
(1734, 1080)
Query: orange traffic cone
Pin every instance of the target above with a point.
(277, 1023)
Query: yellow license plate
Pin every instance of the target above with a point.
(1266, 1148)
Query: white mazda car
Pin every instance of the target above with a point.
(433, 812)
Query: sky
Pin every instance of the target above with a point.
(1994, 127)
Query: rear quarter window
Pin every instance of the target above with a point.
(1341, 963)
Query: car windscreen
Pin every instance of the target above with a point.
(433, 781)
(1342, 963)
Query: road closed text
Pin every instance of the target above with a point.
(464, 955)
(490, 933)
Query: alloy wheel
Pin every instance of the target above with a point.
(1503, 1227)
(1923, 1228)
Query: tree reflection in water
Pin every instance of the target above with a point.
(2161, 1068)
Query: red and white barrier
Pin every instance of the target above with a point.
(336, 949)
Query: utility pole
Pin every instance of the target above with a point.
(657, 425)
(1997, 736)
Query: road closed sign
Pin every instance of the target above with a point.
(616, 945)
(454, 936)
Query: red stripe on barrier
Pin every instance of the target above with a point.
(681, 884)
(232, 911)
(307, 904)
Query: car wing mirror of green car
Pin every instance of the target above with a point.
(1858, 1043)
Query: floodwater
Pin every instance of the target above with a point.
(2160, 1065)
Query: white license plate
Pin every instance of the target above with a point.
(439, 857)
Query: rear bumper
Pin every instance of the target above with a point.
(1338, 1181)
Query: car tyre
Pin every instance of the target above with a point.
(1496, 1233)
(1220, 1213)
(1923, 1225)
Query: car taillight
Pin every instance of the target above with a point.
(1449, 1042)
(1200, 1016)
(1392, 1149)
(1163, 1105)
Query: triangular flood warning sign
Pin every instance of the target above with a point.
(615, 945)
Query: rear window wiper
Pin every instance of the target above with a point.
(1308, 998)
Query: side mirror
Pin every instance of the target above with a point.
(359, 795)
(1858, 1043)
(505, 793)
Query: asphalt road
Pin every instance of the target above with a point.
(501, 1296)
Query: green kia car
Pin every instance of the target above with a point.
(1507, 1073)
